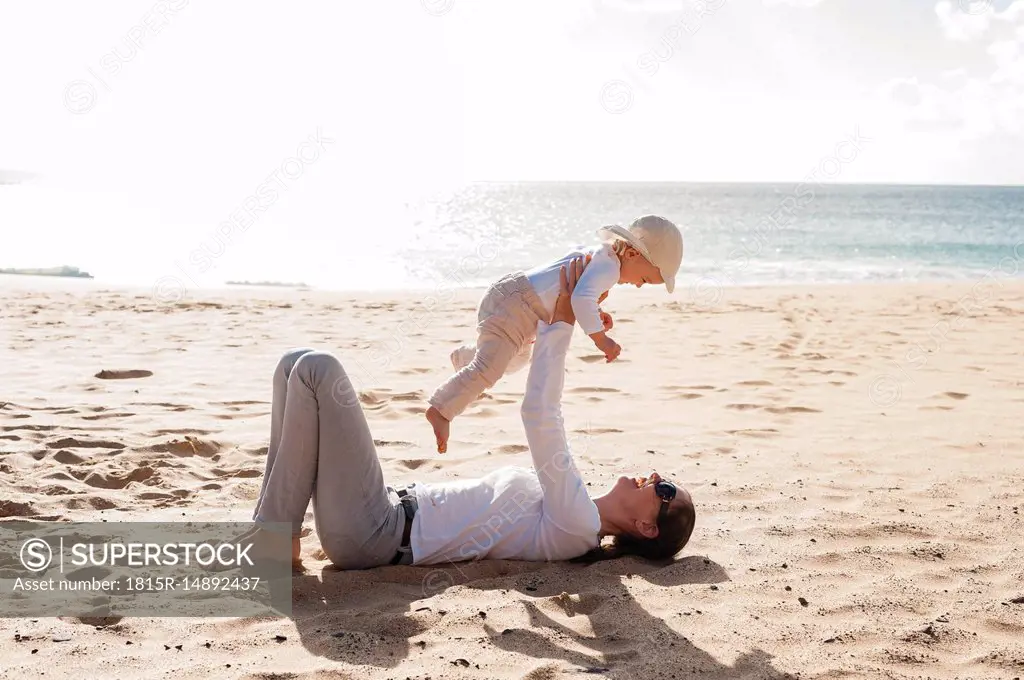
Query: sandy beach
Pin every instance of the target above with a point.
(856, 455)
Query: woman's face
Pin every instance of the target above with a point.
(637, 501)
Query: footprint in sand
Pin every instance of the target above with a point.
(115, 480)
(512, 448)
(163, 499)
(956, 395)
(14, 509)
(389, 443)
(371, 399)
(258, 450)
(56, 490)
(414, 463)
(598, 430)
(418, 395)
(60, 476)
(743, 407)
(591, 390)
(179, 433)
(187, 447)
(163, 404)
(593, 358)
(755, 383)
(791, 409)
(238, 473)
(107, 416)
(376, 399)
(91, 503)
(123, 375)
(73, 443)
(757, 433)
(484, 396)
(482, 412)
(66, 457)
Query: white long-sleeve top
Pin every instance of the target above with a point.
(600, 275)
(516, 513)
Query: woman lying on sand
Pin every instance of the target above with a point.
(321, 448)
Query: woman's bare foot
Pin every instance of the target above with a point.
(297, 565)
(441, 427)
(267, 545)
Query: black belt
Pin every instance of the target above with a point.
(410, 512)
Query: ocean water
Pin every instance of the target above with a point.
(743, 234)
(735, 235)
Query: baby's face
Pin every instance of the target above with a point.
(637, 270)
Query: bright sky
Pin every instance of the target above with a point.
(147, 122)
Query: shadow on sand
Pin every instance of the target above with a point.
(373, 617)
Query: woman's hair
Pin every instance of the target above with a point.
(674, 530)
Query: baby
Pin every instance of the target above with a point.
(650, 251)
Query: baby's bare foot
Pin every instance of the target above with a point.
(441, 427)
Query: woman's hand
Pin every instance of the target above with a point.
(570, 276)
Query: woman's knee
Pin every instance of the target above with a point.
(318, 363)
(290, 358)
(323, 371)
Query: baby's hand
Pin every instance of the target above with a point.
(610, 348)
(606, 319)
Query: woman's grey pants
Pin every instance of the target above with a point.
(321, 448)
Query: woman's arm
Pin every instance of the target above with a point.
(566, 502)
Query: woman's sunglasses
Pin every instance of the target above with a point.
(666, 491)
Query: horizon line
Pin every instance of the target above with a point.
(15, 177)
(747, 182)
